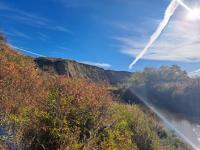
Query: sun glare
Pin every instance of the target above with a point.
(194, 14)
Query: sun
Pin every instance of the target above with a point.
(194, 14)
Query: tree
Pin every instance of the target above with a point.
(2, 38)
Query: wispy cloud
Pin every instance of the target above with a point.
(59, 28)
(92, 3)
(16, 33)
(78, 3)
(62, 48)
(71, 3)
(179, 42)
(101, 65)
(21, 15)
(42, 36)
(29, 18)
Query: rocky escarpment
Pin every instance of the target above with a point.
(74, 69)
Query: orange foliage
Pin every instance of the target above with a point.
(21, 85)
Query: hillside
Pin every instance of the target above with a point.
(76, 70)
(47, 111)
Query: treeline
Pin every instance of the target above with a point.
(41, 111)
(168, 87)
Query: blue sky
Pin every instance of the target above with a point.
(106, 33)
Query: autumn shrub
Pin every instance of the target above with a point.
(21, 85)
(42, 111)
(71, 116)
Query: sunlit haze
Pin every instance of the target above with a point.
(194, 14)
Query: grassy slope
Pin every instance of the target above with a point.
(51, 112)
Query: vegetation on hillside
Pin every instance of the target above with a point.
(168, 87)
(42, 111)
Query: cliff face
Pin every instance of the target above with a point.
(78, 70)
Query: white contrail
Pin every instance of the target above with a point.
(20, 49)
(168, 13)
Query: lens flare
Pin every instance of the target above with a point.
(194, 14)
(184, 5)
(166, 121)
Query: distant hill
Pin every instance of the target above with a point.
(74, 69)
